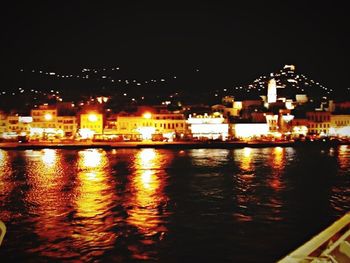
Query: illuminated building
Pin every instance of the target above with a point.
(208, 126)
(299, 127)
(167, 125)
(319, 122)
(272, 91)
(272, 122)
(91, 121)
(19, 124)
(301, 98)
(340, 125)
(249, 130)
(47, 123)
(68, 124)
(44, 117)
(3, 123)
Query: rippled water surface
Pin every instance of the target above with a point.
(147, 205)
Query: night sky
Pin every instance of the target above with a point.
(231, 44)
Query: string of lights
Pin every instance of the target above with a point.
(284, 77)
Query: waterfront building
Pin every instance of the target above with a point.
(47, 124)
(3, 123)
(68, 124)
(272, 122)
(148, 125)
(299, 126)
(45, 116)
(208, 126)
(340, 125)
(91, 123)
(319, 122)
(249, 130)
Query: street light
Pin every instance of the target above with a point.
(147, 115)
(48, 117)
(92, 117)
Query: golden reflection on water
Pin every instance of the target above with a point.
(277, 163)
(343, 157)
(49, 157)
(94, 199)
(246, 161)
(147, 193)
(6, 182)
(46, 180)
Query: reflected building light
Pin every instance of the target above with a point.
(90, 159)
(278, 154)
(146, 156)
(246, 159)
(147, 194)
(146, 179)
(49, 157)
(246, 152)
(2, 156)
(277, 164)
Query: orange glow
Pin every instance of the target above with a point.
(2, 156)
(48, 117)
(46, 192)
(343, 157)
(277, 163)
(147, 115)
(146, 132)
(90, 158)
(94, 196)
(147, 188)
(146, 157)
(92, 117)
(49, 157)
(246, 159)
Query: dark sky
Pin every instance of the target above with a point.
(233, 44)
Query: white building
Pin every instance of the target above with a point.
(209, 127)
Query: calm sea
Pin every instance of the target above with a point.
(148, 205)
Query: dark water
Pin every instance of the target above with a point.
(201, 205)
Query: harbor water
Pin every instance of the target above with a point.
(168, 205)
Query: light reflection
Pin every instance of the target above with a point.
(277, 163)
(244, 183)
(246, 161)
(94, 198)
(2, 156)
(147, 199)
(344, 158)
(6, 182)
(47, 181)
(90, 158)
(146, 157)
(147, 193)
(49, 157)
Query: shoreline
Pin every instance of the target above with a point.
(162, 145)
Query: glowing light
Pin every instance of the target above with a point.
(147, 115)
(49, 157)
(86, 133)
(90, 158)
(246, 130)
(146, 132)
(272, 91)
(94, 196)
(247, 152)
(48, 116)
(146, 187)
(2, 156)
(146, 156)
(92, 117)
